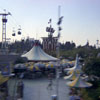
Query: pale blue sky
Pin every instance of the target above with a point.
(81, 18)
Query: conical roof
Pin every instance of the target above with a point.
(37, 54)
(72, 76)
(76, 67)
(79, 82)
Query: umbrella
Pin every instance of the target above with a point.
(79, 83)
(34, 68)
(39, 65)
(28, 64)
(19, 66)
(51, 65)
(64, 63)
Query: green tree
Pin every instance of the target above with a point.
(92, 67)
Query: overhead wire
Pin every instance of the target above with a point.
(12, 22)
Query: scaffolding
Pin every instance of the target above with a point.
(4, 21)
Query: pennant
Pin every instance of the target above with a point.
(49, 21)
(60, 20)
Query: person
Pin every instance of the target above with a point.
(77, 97)
(50, 82)
(20, 88)
(71, 97)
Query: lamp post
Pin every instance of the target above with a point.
(58, 53)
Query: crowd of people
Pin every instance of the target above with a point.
(74, 94)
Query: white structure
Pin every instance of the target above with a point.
(37, 54)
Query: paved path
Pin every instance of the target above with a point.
(36, 89)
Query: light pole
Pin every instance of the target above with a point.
(58, 52)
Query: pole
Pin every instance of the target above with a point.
(58, 54)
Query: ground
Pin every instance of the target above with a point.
(36, 89)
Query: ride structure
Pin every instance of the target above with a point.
(50, 42)
(4, 21)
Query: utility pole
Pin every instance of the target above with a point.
(58, 52)
(4, 21)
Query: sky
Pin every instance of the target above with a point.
(81, 20)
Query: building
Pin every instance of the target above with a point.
(50, 42)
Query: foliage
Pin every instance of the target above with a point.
(92, 67)
(92, 93)
(67, 46)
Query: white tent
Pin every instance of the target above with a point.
(37, 54)
(79, 82)
(76, 67)
(71, 76)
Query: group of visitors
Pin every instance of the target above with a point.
(74, 95)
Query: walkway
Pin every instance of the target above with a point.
(37, 90)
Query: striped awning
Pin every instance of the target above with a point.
(39, 65)
(51, 65)
(33, 68)
(79, 83)
(71, 76)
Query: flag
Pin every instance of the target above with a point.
(60, 20)
(49, 21)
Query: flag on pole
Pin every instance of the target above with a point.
(60, 20)
(49, 21)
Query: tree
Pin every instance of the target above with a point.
(92, 67)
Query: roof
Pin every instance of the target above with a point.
(37, 54)
(79, 82)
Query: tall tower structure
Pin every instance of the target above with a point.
(4, 21)
(50, 42)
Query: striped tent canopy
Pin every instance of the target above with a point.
(3, 79)
(51, 65)
(29, 63)
(20, 66)
(71, 76)
(79, 83)
(39, 65)
(78, 71)
(33, 68)
(37, 54)
(72, 62)
(66, 63)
